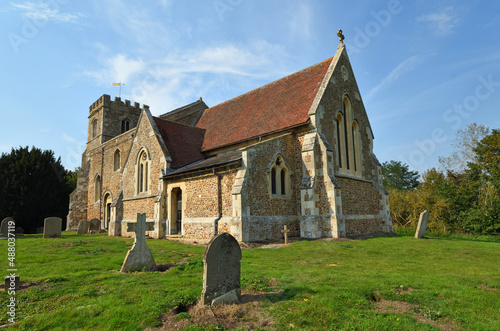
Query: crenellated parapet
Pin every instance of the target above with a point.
(105, 101)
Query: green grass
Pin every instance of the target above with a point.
(323, 284)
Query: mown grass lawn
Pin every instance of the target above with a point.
(74, 283)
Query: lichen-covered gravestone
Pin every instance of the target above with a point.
(95, 225)
(422, 224)
(4, 227)
(83, 227)
(52, 227)
(221, 277)
(140, 256)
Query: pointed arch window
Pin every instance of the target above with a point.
(97, 188)
(125, 125)
(356, 149)
(280, 178)
(116, 160)
(94, 128)
(142, 172)
(348, 140)
(340, 137)
(346, 107)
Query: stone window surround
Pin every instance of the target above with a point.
(97, 187)
(125, 125)
(278, 178)
(350, 150)
(143, 179)
(117, 160)
(94, 128)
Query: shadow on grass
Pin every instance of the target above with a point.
(250, 295)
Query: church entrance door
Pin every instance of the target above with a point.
(107, 210)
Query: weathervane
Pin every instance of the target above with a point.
(341, 36)
(119, 84)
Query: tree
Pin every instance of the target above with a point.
(33, 186)
(488, 158)
(397, 175)
(466, 141)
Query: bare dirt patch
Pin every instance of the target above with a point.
(23, 285)
(404, 308)
(402, 290)
(245, 315)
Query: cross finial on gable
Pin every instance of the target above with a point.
(341, 36)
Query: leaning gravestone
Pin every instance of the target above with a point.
(221, 277)
(95, 225)
(52, 227)
(83, 227)
(140, 256)
(422, 224)
(4, 227)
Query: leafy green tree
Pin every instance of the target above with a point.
(484, 183)
(33, 186)
(397, 175)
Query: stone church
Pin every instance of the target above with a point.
(296, 152)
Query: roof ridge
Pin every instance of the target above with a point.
(177, 123)
(200, 100)
(270, 83)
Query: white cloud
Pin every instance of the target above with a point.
(178, 77)
(117, 68)
(300, 21)
(136, 24)
(441, 23)
(42, 12)
(69, 139)
(403, 68)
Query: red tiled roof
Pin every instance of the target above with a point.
(273, 107)
(183, 142)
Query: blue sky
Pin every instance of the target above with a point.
(424, 68)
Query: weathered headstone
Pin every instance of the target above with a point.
(39, 230)
(52, 227)
(95, 225)
(285, 233)
(4, 227)
(140, 256)
(221, 277)
(422, 224)
(83, 227)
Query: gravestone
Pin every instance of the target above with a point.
(95, 225)
(39, 230)
(140, 256)
(83, 227)
(52, 227)
(221, 276)
(422, 224)
(4, 227)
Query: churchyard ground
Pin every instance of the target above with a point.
(384, 283)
